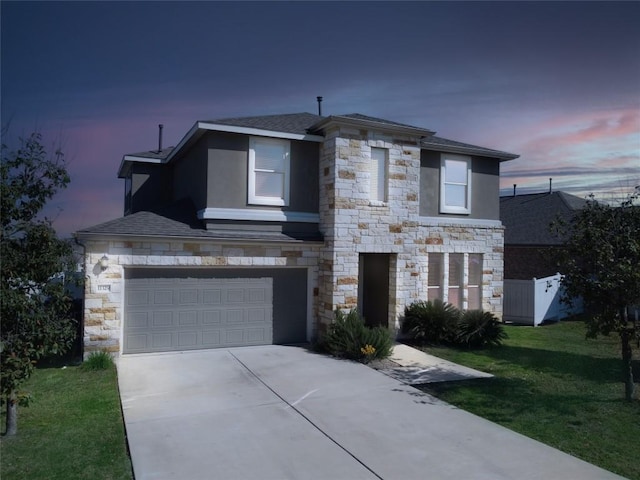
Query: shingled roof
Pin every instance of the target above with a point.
(179, 220)
(310, 124)
(527, 217)
(452, 146)
(298, 123)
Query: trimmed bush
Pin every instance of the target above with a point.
(432, 322)
(479, 329)
(98, 361)
(349, 337)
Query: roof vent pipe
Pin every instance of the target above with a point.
(319, 106)
(514, 189)
(160, 138)
(550, 180)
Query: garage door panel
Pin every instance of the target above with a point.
(162, 319)
(233, 317)
(235, 295)
(211, 338)
(163, 297)
(189, 297)
(212, 297)
(192, 313)
(211, 317)
(138, 297)
(138, 320)
(187, 340)
(160, 341)
(187, 319)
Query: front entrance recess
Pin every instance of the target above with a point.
(373, 291)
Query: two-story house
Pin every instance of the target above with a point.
(254, 230)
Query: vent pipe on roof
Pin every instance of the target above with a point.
(550, 180)
(319, 105)
(160, 137)
(514, 189)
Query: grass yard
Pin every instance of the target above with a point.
(73, 428)
(553, 385)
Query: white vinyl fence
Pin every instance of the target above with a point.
(531, 302)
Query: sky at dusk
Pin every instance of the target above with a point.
(556, 83)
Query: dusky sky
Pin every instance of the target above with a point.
(556, 83)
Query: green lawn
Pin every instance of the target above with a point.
(553, 385)
(73, 428)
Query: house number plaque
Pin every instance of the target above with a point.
(104, 288)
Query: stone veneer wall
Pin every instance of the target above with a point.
(104, 290)
(352, 224)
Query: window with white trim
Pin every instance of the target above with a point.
(455, 278)
(435, 277)
(456, 275)
(474, 288)
(269, 166)
(455, 184)
(378, 178)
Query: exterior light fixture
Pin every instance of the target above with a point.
(104, 263)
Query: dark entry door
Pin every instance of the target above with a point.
(374, 288)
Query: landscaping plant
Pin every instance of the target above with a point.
(98, 361)
(479, 329)
(349, 337)
(433, 322)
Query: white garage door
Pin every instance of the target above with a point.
(165, 314)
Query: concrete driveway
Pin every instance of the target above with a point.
(277, 412)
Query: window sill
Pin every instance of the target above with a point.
(378, 203)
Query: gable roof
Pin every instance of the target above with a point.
(452, 146)
(305, 126)
(298, 123)
(179, 220)
(527, 217)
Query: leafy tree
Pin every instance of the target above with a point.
(601, 264)
(35, 315)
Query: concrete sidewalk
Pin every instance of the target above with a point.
(416, 367)
(278, 412)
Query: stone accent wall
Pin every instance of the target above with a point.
(104, 290)
(353, 224)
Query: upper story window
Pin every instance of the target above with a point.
(378, 186)
(455, 184)
(269, 166)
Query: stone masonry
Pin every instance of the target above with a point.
(104, 290)
(352, 224)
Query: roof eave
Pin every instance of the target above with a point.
(359, 122)
(502, 156)
(87, 236)
(128, 160)
(200, 127)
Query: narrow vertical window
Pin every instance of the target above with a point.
(435, 276)
(378, 186)
(474, 288)
(456, 271)
(455, 184)
(268, 171)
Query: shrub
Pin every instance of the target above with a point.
(349, 337)
(98, 361)
(478, 329)
(431, 322)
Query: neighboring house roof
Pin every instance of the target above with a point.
(527, 217)
(180, 220)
